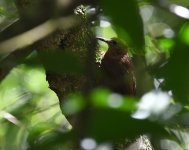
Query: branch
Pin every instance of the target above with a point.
(12, 60)
(37, 33)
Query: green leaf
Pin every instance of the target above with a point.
(2, 10)
(184, 34)
(15, 137)
(102, 98)
(176, 72)
(166, 44)
(110, 124)
(126, 20)
(73, 104)
(52, 141)
(61, 62)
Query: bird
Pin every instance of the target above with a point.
(117, 67)
(118, 75)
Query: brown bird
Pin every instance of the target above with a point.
(117, 67)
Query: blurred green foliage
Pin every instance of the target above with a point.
(127, 21)
(27, 102)
(30, 115)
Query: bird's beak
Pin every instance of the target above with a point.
(103, 39)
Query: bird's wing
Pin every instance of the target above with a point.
(127, 66)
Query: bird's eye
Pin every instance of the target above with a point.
(114, 42)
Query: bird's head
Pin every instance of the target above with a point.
(114, 44)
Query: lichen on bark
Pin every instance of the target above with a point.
(78, 40)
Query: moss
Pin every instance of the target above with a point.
(80, 41)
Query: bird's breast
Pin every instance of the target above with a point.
(115, 65)
(119, 73)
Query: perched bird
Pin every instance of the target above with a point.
(117, 67)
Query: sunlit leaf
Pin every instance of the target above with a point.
(184, 34)
(73, 104)
(102, 98)
(166, 44)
